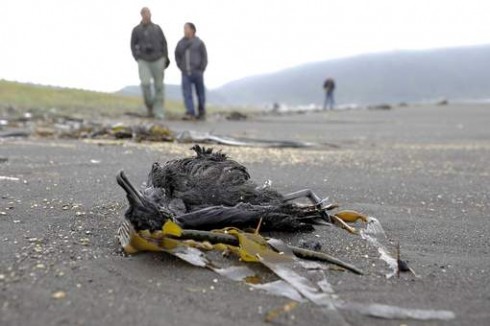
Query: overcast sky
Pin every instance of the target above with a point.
(85, 43)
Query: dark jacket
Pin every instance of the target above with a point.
(148, 42)
(191, 55)
(329, 85)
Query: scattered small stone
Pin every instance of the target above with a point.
(58, 295)
(310, 245)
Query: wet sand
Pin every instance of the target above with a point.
(422, 171)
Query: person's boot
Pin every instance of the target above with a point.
(150, 112)
(189, 117)
(158, 109)
(201, 116)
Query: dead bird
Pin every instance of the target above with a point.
(210, 191)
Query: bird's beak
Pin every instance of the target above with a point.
(134, 196)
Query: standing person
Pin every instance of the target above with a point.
(329, 87)
(192, 58)
(149, 48)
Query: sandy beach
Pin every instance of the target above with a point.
(422, 171)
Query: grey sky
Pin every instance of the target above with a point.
(85, 44)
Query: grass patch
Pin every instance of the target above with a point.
(39, 99)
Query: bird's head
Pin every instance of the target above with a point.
(143, 212)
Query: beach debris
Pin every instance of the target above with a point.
(393, 312)
(442, 102)
(58, 295)
(73, 128)
(275, 313)
(380, 107)
(7, 178)
(314, 245)
(191, 136)
(376, 236)
(14, 134)
(348, 216)
(297, 281)
(402, 266)
(249, 248)
(236, 116)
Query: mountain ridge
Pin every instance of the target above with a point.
(392, 77)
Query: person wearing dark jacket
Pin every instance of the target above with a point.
(149, 48)
(329, 87)
(192, 58)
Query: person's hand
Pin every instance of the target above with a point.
(167, 63)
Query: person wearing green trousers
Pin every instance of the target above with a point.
(149, 48)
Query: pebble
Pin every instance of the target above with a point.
(58, 295)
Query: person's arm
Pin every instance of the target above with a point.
(165, 47)
(204, 57)
(134, 42)
(179, 55)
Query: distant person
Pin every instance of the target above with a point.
(329, 87)
(149, 48)
(192, 58)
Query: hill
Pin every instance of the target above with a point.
(398, 76)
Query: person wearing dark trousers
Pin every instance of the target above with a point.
(329, 87)
(192, 59)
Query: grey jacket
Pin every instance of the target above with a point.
(191, 55)
(148, 42)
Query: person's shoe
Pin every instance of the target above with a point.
(201, 117)
(150, 114)
(188, 117)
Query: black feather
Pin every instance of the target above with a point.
(209, 191)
